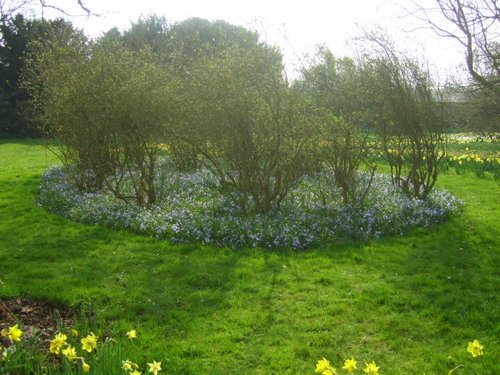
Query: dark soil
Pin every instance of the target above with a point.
(35, 317)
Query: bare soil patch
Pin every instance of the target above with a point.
(42, 318)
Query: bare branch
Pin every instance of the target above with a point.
(475, 24)
(9, 7)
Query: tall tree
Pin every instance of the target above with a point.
(17, 36)
(337, 104)
(196, 38)
(241, 116)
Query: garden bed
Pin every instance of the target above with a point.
(193, 210)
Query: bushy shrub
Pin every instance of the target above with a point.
(335, 99)
(245, 122)
(107, 108)
(406, 115)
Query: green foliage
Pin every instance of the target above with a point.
(150, 32)
(196, 39)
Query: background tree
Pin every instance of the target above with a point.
(474, 24)
(150, 32)
(195, 39)
(18, 34)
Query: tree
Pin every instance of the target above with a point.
(475, 25)
(190, 43)
(150, 32)
(18, 35)
(195, 38)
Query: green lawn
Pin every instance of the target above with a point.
(409, 303)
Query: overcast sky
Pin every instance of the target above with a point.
(295, 26)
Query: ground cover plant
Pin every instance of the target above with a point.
(410, 304)
(194, 210)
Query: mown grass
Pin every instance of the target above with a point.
(410, 303)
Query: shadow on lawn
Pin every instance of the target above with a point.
(449, 281)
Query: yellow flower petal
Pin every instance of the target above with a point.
(475, 348)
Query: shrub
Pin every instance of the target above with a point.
(107, 108)
(407, 117)
(244, 120)
(335, 98)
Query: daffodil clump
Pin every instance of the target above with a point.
(132, 368)
(89, 344)
(74, 353)
(59, 345)
(476, 162)
(193, 209)
(350, 366)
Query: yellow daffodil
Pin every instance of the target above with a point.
(85, 367)
(371, 368)
(322, 366)
(57, 343)
(475, 348)
(69, 352)
(128, 365)
(14, 334)
(350, 365)
(131, 334)
(154, 367)
(89, 343)
(135, 372)
(74, 332)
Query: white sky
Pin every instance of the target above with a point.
(295, 26)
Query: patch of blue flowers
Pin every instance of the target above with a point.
(192, 209)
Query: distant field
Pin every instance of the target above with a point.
(409, 303)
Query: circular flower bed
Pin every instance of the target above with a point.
(193, 210)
